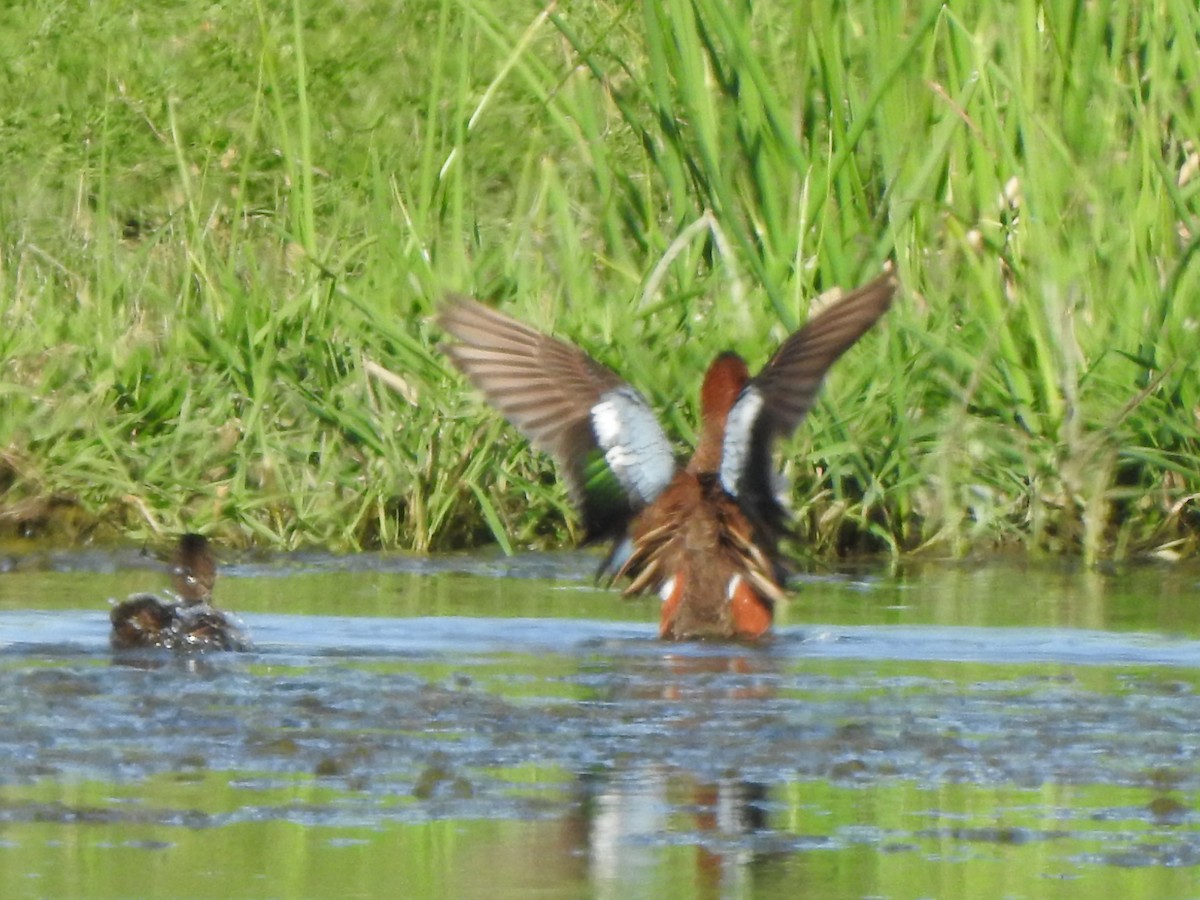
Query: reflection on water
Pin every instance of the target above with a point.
(621, 820)
(939, 733)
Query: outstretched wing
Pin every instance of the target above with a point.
(611, 450)
(778, 398)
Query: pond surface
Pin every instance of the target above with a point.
(470, 727)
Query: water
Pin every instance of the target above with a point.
(482, 727)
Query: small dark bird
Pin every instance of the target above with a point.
(703, 535)
(189, 623)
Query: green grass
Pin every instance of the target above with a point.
(222, 235)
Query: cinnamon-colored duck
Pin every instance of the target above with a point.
(189, 623)
(704, 535)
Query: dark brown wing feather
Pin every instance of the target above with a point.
(554, 393)
(779, 397)
(542, 385)
(790, 382)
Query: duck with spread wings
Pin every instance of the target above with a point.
(704, 535)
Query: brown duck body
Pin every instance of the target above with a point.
(189, 623)
(703, 536)
(697, 549)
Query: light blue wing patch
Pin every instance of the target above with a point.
(635, 447)
(739, 429)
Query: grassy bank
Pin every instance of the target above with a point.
(222, 236)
